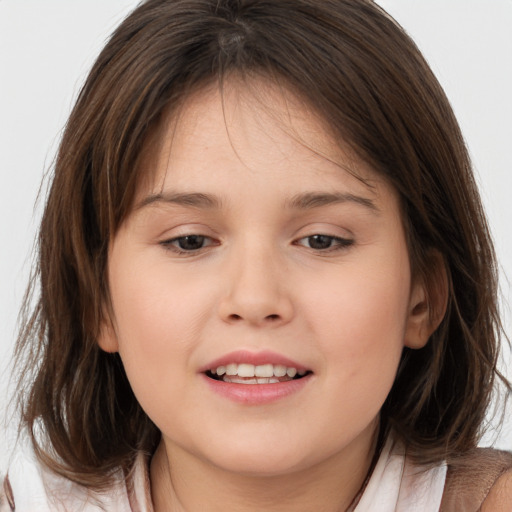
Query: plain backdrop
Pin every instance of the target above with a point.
(47, 47)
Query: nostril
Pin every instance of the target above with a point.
(234, 316)
(273, 317)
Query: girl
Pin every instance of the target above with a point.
(267, 282)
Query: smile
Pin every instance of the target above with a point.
(255, 374)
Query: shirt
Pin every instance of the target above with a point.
(396, 485)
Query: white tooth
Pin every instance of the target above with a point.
(291, 372)
(221, 370)
(246, 370)
(264, 370)
(242, 380)
(262, 380)
(231, 369)
(273, 380)
(300, 372)
(213, 371)
(279, 370)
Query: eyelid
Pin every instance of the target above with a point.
(168, 244)
(337, 242)
(342, 243)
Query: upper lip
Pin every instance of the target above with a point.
(255, 358)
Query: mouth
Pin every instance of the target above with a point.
(256, 374)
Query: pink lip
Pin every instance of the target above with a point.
(255, 358)
(256, 394)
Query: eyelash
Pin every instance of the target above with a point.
(172, 244)
(339, 243)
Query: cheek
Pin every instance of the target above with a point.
(157, 322)
(152, 306)
(360, 321)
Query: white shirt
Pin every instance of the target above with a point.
(396, 485)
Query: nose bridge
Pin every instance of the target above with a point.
(256, 290)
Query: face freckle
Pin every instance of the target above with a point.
(256, 248)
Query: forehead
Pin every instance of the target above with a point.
(250, 125)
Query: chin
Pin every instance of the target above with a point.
(262, 467)
(262, 459)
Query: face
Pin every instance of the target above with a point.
(261, 293)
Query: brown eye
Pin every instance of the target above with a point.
(188, 243)
(321, 242)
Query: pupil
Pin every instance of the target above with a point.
(191, 242)
(320, 241)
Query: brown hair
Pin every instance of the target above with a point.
(359, 70)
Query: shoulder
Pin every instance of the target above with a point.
(30, 486)
(499, 498)
(480, 478)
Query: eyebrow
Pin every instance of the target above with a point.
(311, 200)
(305, 201)
(195, 199)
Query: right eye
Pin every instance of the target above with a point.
(187, 244)
(325, 243)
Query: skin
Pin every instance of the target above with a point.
(500, 496)
(344, 311)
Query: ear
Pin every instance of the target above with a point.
(107, 337)
(427, 304)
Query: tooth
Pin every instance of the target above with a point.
(279, 370)
(241, 380)
(264, 373)
(246, 370)
(291, 372)
(231, 369)
(264, 370)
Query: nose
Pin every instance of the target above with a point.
(256, 289)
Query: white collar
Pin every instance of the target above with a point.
(397, 485)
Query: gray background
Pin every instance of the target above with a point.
(47, 47)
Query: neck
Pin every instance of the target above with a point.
(190, 484)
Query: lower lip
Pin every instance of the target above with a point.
(256, 394)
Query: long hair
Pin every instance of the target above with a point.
(364, 76)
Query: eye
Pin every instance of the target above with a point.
(188, 243)
(325, 243)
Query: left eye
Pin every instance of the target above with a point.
(324, 242)
(189, 243)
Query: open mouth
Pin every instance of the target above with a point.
(255, 374)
